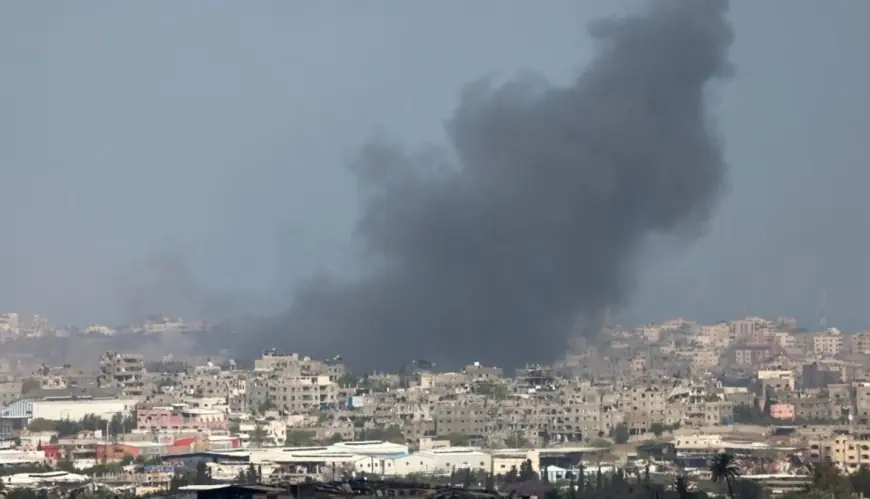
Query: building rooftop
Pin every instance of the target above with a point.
(370, 447)
(450, 451)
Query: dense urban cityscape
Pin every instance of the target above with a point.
(449, 311)
(789, 407)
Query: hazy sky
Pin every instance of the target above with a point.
(220, 131)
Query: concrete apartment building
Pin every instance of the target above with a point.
(212, 381)
(847, 452)
(718, 335)
(293, 383)
(859, 343)
(772, 381)
(744, 328)
(9, 327)
(123, 371)
(828, 344)
(181, 418)
(677, 374)
(66, 378)
(750, 355)
(465, 418)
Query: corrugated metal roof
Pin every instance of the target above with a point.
(20, 409)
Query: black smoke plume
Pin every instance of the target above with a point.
(539, 221)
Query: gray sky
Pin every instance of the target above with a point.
(221, 131)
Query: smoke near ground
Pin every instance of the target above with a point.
(163, 284)
(538, 223)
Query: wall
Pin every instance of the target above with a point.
(76, 410)
(166, 419)
(782, 411)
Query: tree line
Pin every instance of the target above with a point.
(118, 424)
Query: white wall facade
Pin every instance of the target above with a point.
(76, 410)
(435, 461)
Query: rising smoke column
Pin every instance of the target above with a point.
(545, 212)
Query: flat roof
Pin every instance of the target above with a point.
(218, 454)
(571, 449)
(204, 487)
(455, 451)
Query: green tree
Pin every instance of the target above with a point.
(512, 475)
(300, 438)
(66, 465)
(527, 471)
(861, 481)
(657, 429)
(40, 424)
(178, 480)
(259, 434)
(241, 478)
(828, 479)
(251, 475)
(457, 439)
(620, 433)
(92, 422)
(723, 467)
(203, 474)
(121, 424)
(390, 433)
(349, 379)
(748, 489)
(67, 428)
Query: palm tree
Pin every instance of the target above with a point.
(724, 467)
